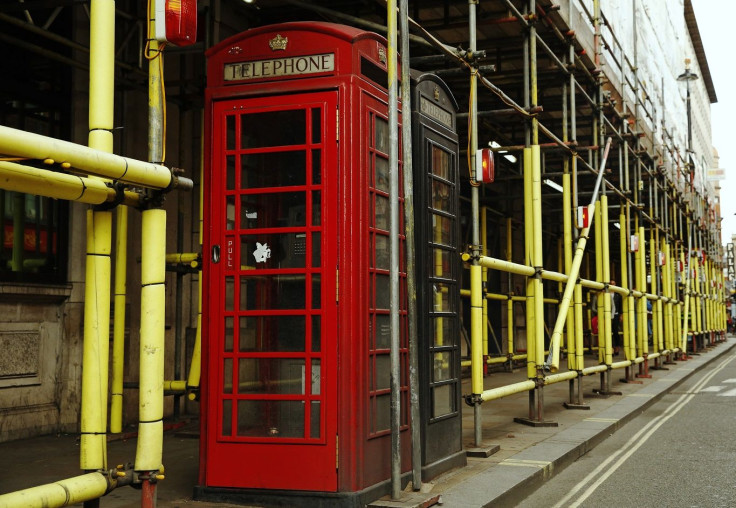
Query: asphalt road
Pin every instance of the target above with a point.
(681, 452)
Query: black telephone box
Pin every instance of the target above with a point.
(436, 202)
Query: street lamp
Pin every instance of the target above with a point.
(687, 77)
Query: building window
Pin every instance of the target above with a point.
(34, 238)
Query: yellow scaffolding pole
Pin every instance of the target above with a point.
(484, 274)
(599, 303)
(153, 301)
(643, 337)
(93, 417)
(607, 296)
(95, 356)
(567, 253)
(118, 342)
(510, 319)
(92, 161)
(531, 367)
(537, 254)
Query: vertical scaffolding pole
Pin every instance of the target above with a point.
(640, 304)
(510, 319)
(607, 300)
(567, 253)
(148, 454)
(118, 343)
(476, 285)
(537, 253)
(416, 438)
(95, 357)
(484, 283)
(599, 296)
(625, 312)
(153, 294)
(393, 122)
(686, 310)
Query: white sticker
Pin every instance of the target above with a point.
(262, 252)
(251, 215)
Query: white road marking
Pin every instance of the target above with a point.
(715, 388)
(729, 393)
(730, 381)
(632, 445)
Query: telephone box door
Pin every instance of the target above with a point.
(273, 323)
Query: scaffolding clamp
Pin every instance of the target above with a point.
(473, 399)
(471, 57)
(119, 197)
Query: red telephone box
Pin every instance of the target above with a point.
(295, 385)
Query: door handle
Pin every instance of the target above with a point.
(215, 254)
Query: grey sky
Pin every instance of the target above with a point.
(709, 14)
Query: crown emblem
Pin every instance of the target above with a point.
(436, 93)
(278, 42)
(381, 55)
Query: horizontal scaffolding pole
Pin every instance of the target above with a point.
(505, 391)
(79, 158)
(42, 182)
(66, 492)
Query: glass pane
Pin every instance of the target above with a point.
(383, 413)
(383, 372)
(272, 333)
(381, 181)
(316, 167)
(316, 249)
(316, 334)
(230, 212)
(230, 172)
(443, 400)
(316, 125)
(441, 193)
(381, 127)
(228, 333)
(274, 128)
(442, 230)
(442, 263)
(273, 169)
(383, 252)
(229, 292)
(271, 375)
(383, 331)
(36, 252)
(382, 291)
(267, 251)
(443, 331)
(442, 366)
(227, 417)
(244, 282)
(316, 292)
(273, 210)
(442, 163)
(230, 132)
(270, 292)
(442, 300)
(316, 208)
(227, 375)
(382, 213)
(271, 418)
(316, 385)
(315, 419)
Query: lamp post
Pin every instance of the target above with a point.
(687, 77)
